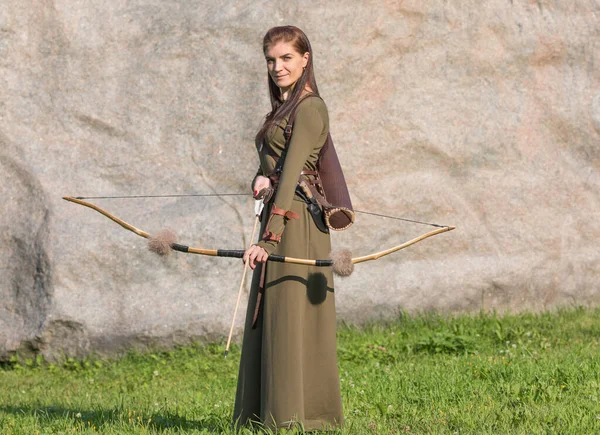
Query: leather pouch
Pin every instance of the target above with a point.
(314, 209)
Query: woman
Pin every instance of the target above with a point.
(288, 370)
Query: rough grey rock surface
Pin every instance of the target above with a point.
(26, 284)
(484, 115)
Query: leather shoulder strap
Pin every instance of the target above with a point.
(287, 133)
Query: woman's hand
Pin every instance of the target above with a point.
(261, 182)
(255, 254)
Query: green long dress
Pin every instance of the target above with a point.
(288, 370)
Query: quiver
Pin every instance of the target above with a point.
(337, 206)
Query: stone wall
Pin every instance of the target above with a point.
(484, 115)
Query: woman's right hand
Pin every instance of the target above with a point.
(255, 254)
(261, 182)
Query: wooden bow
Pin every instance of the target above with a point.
(342, 264)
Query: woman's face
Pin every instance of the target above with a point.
(285, 64)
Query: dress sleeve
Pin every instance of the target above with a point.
(308, 127)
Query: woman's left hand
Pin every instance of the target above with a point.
(255, 254)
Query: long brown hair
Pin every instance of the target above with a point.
(279, 108)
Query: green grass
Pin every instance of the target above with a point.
(526, 373)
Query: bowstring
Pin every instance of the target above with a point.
(400, 219)
(162, 196)
(183, 195)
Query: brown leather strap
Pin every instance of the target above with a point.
(287, 132)
(269, 236)
(261, 290)
(288, 214)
